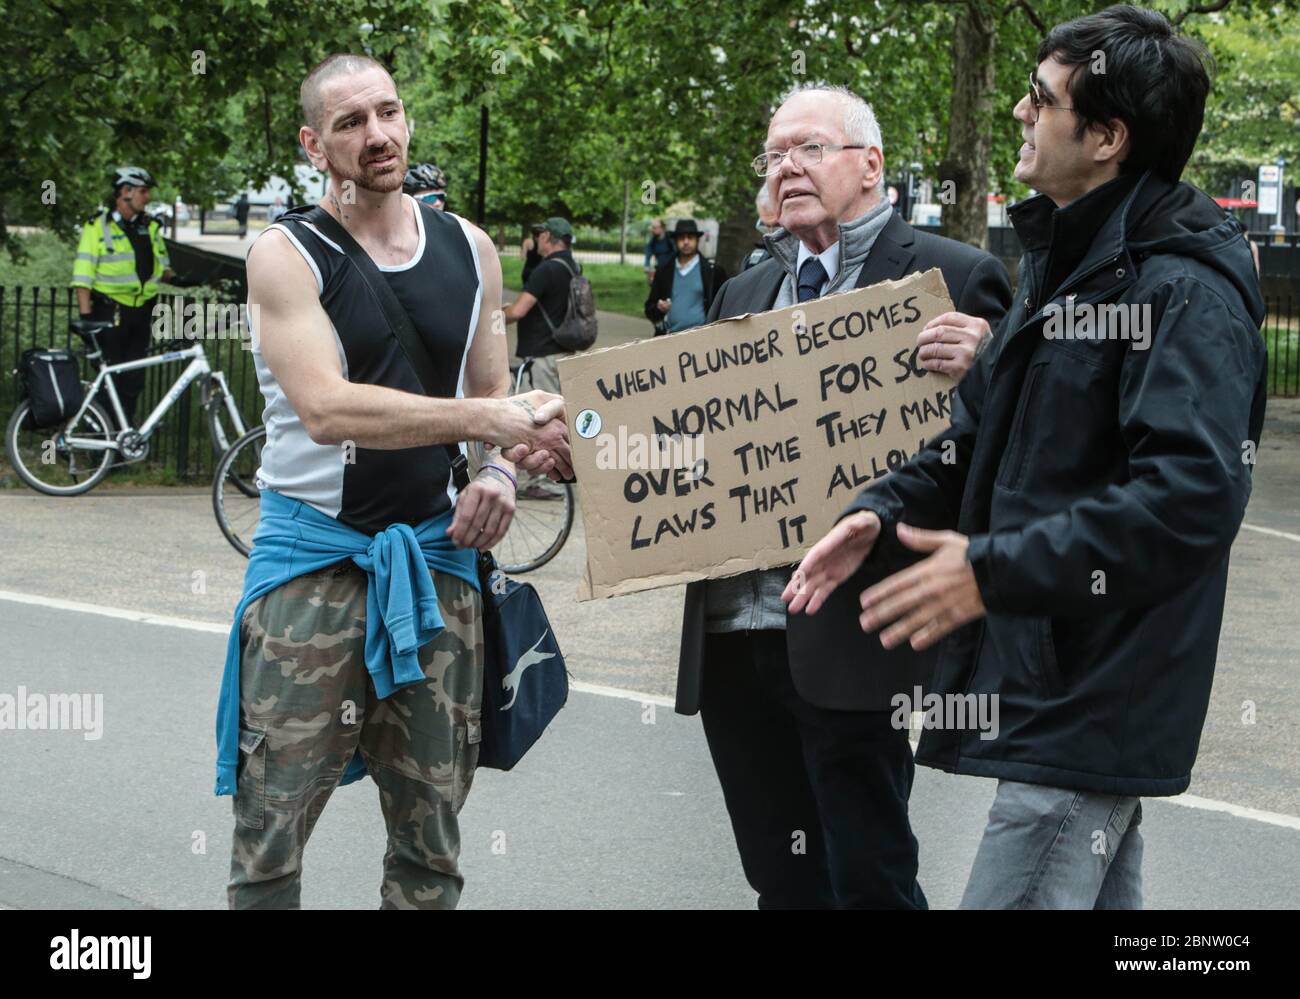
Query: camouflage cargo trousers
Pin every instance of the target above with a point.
(307, 704)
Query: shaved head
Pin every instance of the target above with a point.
(355, 125)
(339, 64)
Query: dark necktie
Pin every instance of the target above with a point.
(811, 276)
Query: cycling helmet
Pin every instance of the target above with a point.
(424, 177)
(135, 176)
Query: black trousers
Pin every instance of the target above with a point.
(129, 342)
(817, 798)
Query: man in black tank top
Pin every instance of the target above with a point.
(353, 441)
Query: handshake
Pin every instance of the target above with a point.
(531, 431)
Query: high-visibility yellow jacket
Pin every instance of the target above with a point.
(106, 261)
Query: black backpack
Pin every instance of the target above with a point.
(51, 381)
(577, 331)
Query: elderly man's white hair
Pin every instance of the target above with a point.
(859, 121)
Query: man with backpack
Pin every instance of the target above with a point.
(556, 315)
(551, 323)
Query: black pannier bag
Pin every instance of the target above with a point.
(51, 381)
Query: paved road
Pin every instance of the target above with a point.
(616, 807)
(608, 810)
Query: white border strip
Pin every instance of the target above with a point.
(311, 261)
(142, 617)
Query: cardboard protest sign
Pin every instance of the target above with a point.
(736, 446)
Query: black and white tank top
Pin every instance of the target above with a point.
(441, 287)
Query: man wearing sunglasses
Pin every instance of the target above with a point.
(425, 182)
(1077, 541)
(814, 775)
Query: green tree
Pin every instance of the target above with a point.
(201, 92)
(666, 99)
(1253, 114)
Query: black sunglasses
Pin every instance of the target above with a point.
(1036, 98)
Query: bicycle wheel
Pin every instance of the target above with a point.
(538, 531)
(43, 460)
(224, 432)
(237, 512)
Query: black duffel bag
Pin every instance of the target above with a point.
(51, 381)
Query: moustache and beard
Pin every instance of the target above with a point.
(367, 177)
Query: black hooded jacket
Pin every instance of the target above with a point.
(1101, 483)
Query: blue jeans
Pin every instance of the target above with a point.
(1052, 848)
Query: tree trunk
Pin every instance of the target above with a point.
(482, 164)
(736, 234)
(964, 172)
(622, 238)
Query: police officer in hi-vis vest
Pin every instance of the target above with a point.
(121, 260)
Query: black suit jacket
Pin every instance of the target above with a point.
(712, 277)
(833, 663)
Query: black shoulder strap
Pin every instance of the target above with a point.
(572, 272)
(398, 320)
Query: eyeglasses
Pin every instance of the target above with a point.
(430, 199)
(1036, 100)
(809, 154)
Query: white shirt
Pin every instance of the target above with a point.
(683, 271)
(830, 258)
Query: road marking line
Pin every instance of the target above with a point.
(600, 690)
(619, 692)
(1210, 805)
(143, 617)
(1269, 530)
(121, 613)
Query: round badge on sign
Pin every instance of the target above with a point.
(588, 423)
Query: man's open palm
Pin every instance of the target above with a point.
(832, 560)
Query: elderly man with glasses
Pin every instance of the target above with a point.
(815, 777)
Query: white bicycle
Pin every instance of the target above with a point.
(74, 458)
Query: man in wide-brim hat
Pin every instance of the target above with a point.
(683, 288)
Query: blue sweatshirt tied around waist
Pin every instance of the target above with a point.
(402, 612)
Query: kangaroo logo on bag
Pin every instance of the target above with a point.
(525, 683)
(532, 657)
